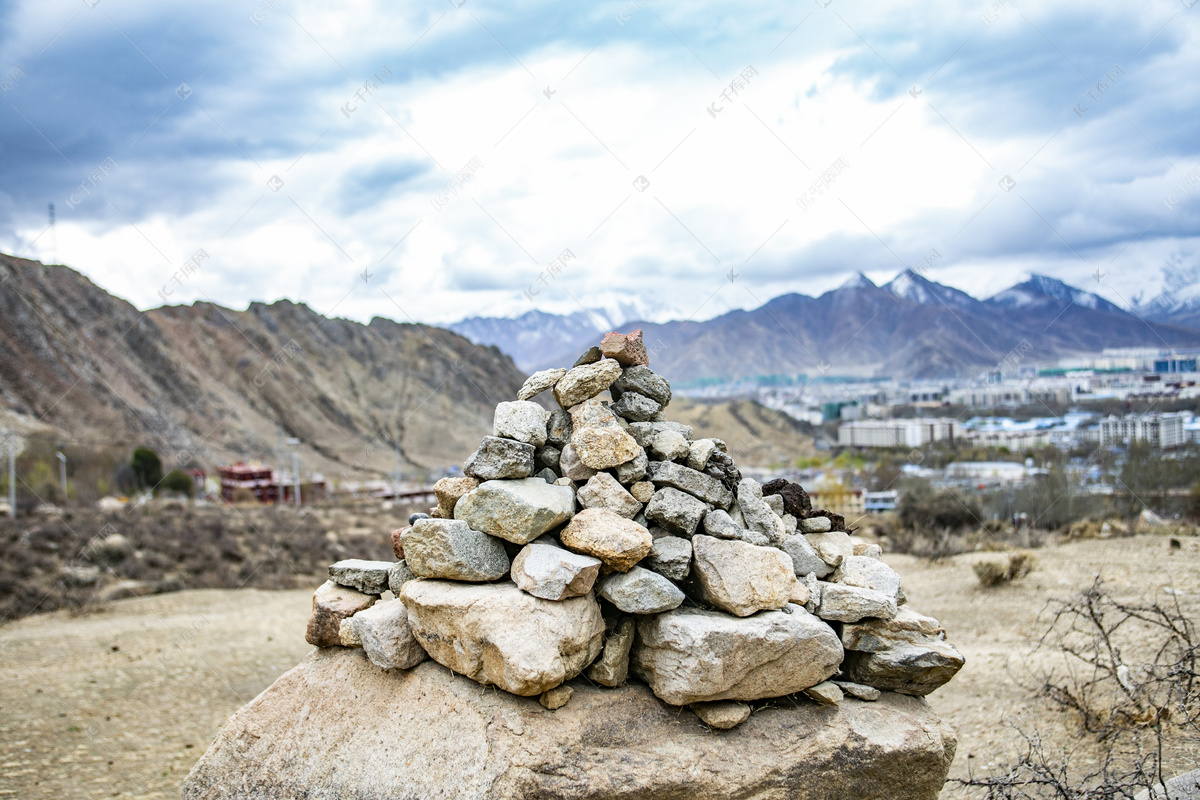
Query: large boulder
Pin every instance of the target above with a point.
(499, 635)
(336, 726)
(742, 578)
(516, 511)
(690, 655)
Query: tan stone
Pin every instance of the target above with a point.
(723, 714)
(448, 492)
(618, 542)
(742, 578)
(330, 605)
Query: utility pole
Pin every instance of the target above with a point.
(62, 467)
(295, 443)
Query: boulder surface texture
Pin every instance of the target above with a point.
(338, 727)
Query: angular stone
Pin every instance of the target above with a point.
(448, 492)
(522, 420)
(826, 693)
(558, 428)
(775, 503)
(789, 525)
(643, 380)
(498, 635)
(612, 667)
(385, 636)
(690, 655)
(723, 714)
(330, 605)
(804, 557)
(814, 593)
(758, 515)
(603, 491)
(908, 668)
(369, 577)
(640, 591)
(876, 635)
(644, 432)
(670, 556)
(815, 525)
(547, 457)
(857, 690)
(539, 382)
(565, 482)
(868, 573)
(718, 523)
(571, 467)
(634, 469)
(398, 575)
(516, 511)
(721, 467)
(449, 548)
(699, 453)
(697, 484)
(499, 458)
(586, 381)
(832, 548)
(597, 437)
(642, 491)
(556, 698)
(553, 573)
(636, 407)
(548, 475)
(338, 727)
(741, 578)
(625, 348)
(676, 512)
(851, 604)
(398, 542)
(590, 356)
(800, 593)
(618, 542)
(668, 446)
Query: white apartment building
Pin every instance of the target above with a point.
(1159, 430)
(896, 432)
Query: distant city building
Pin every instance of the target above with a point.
(1158, 430)
(896, 432)
(880, 501)
(990, 472)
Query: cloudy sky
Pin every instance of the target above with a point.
(434, 160)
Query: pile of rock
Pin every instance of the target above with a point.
(601, 539)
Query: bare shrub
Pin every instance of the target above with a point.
(995, 572)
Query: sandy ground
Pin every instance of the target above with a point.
(121, 702)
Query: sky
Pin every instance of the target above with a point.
(435, 160)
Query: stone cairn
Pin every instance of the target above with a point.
(601, 539)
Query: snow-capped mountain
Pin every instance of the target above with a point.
(1043, 290)
(528, 337)
(916, 288)
(1179, 300)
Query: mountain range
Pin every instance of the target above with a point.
(910, 327)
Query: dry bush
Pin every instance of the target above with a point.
(934, 544)
(1131, 679)
(995, 572)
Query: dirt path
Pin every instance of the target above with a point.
(121, 702)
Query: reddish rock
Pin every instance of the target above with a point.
(626, 349)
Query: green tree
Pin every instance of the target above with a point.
(178, 481)
(147, 468)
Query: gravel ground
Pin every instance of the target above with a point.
(120, 702)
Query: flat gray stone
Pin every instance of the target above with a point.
(699, 452)
(758, 515)
(640, 591)
(826, 693)
(635, 407)
(521, 420)
(718, 523)
(868, 573)
(499, 458)
(517, 511)
(398, 575)
(690, 655)
(554, 573)
(833, 548)
(697, 484)
(859, 691)
(644, 432)
(675, 512)
(645, 381)
(368, 577)
(851, 604)
(449, 548)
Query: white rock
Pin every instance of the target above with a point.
(742, 578)
(521, 420)
(554, 573)
(640, 591)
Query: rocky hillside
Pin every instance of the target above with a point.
(211, 384)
